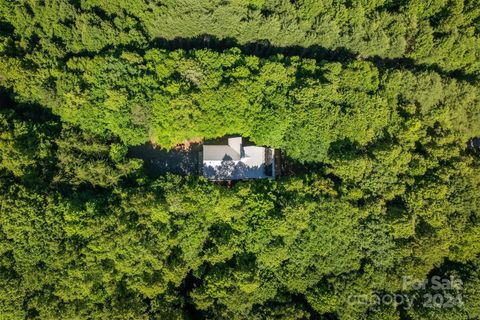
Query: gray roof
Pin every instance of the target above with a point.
(222, 153)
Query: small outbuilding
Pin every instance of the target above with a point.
(232, 160)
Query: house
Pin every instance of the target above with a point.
(234, 159)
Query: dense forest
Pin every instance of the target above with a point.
(376, 100)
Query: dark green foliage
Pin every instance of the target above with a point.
(85, 158)
(376, 102)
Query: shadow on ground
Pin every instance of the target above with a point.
(188, 162)
(158, 161)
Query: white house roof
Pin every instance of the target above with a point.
(234, 161)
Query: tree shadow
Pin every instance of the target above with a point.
(287, 167)
(344, 149)
(264, 49)
(231, 170)
(261, 48)
(158, 161)
(473, 146)
(31, 112)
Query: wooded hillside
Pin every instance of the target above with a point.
(375, 100)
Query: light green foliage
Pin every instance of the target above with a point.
(302, 106)
(372, 111)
